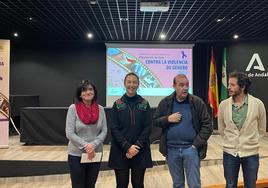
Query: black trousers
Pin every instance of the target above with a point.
(83, 175)
(122, 177)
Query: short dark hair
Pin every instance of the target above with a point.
(179, 75)
(132, 74)
(242, 80)
(83, 86)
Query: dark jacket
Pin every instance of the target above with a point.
(201, 122)
(131, 124)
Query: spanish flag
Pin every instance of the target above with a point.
(213, 96)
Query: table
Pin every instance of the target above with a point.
(46, 125)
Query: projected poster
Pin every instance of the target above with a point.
(156, 68)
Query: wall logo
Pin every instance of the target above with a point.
(183, 55)
(257, 60)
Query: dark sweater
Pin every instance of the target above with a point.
(182, 134)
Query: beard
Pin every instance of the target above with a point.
(235, 93)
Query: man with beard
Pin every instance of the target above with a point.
(186, 127)
(241, 122)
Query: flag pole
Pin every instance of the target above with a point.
(212, 119)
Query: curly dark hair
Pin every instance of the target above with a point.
(82, 87)
(242, 80)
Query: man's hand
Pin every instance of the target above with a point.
(174, 118)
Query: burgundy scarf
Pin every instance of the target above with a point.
(87, 114)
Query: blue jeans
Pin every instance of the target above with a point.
(182, 161)
(231, 165)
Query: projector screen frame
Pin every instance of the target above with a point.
(157, 46)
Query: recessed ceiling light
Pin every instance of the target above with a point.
(162, 36)
(31, 19)
(123, 19)
(235, 36)
(15, 34)
(89, 35)
(93, 2)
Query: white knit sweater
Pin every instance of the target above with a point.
(246, 141)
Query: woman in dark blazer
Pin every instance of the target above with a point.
(130, 128)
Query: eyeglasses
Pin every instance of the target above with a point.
(87, 89)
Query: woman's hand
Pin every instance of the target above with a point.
(91, 155)
(132, 151)
(89, 148)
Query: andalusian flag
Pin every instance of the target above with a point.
(224, 78)
(213, 95)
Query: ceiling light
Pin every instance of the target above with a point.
(219, 20)
(235, 36)
(162, 36)
(89, 35)
(93, 2)
(123, 19)
(15, 34)
(31, 19)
